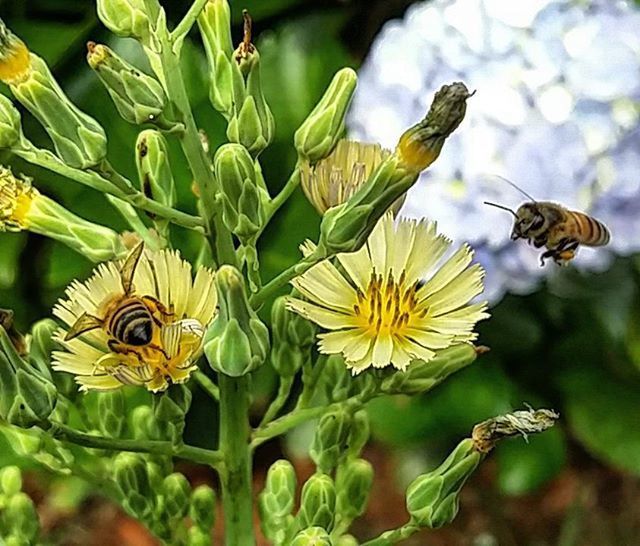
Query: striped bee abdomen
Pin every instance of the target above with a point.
(590, 232)
(132, 323)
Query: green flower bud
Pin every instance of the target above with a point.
(10, 128)
(23, 207)
(237, 342)
(198, 537)
(318, 502)
(154, 169)
(336, 380)
(17, 339)
(202, 509)
(251, 123)
(144, 424)
(346, 540)
(324, 126)
(138, 97)
(278, 496)
(432, 499)
(125, 17)
(79, 140)
(10, 480)
(26, 397)
(21, 515)
(353, 485)
(131, 476)
(329, 442)
(42, 344)
(345, 228)
(215, 27)
(313, 536)
(176, 490)
(293, 337)
(112, 413)
(169, 410)
(422, 376)
(241, 196)
(358, 433)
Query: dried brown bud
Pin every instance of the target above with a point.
(17, 339)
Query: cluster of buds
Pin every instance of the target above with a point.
(236, 90)
(19, 522)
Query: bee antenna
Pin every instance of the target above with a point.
(515, 186)
(501, 207)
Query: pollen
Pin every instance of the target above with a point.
(15, 61)
(387, 306)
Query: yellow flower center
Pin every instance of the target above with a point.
(15, 63)
(387, 305)
(16, 197)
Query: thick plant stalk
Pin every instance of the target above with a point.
(237, 492)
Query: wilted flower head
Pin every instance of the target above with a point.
(16, 197)
(379, 310)
(14, 57)
(334, 179)
(555, 112)
(181, 308)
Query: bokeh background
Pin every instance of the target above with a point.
(557, 111)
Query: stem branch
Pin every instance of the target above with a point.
(395, 535)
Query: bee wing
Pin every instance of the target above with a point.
(128, 269)
(84, 324)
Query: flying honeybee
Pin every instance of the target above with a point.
(133, 323)
(555, 227)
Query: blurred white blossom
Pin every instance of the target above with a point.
(556, 111)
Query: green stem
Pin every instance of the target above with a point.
(275, 284)
(195, 454)
(207, 385)
(280, 199)
(184, 26)
(284, 387)
(199, 162)
(129, 213)
(392, 537)
(237, 494)
(118, 186)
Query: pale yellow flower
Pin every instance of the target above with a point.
(337, 177)
(161, 276)
(394, 300)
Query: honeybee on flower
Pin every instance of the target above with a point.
(139, 322)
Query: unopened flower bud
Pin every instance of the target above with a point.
(26, 397)
(15, 62)
(346, 540)
(336, 380)
(22, 518)
(420, 145)
(320, 132)
(242, 198)
(112, 413)
(293, 337)
(170, 409)
(17, 339)
(176, 490)
(144, 425)
(215, 27)
(42, 344)
(353, 485)
(10, 480)
(138, 97)
(23, 207)
(79, 139)
(329, 442)
(198, 537)
(10, 127)
(237, 341)
(318, 502)
(313, 536)
(203, 506)
(125, 17)
(277, 499)
(131, 476)
(432, 499)
(359, 433)
(422, 376)
(251, 123)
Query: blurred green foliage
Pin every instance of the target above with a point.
(574, 346)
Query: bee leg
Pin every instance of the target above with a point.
(158, 348)
(160, 307)
(116, 346)
(548, 254)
